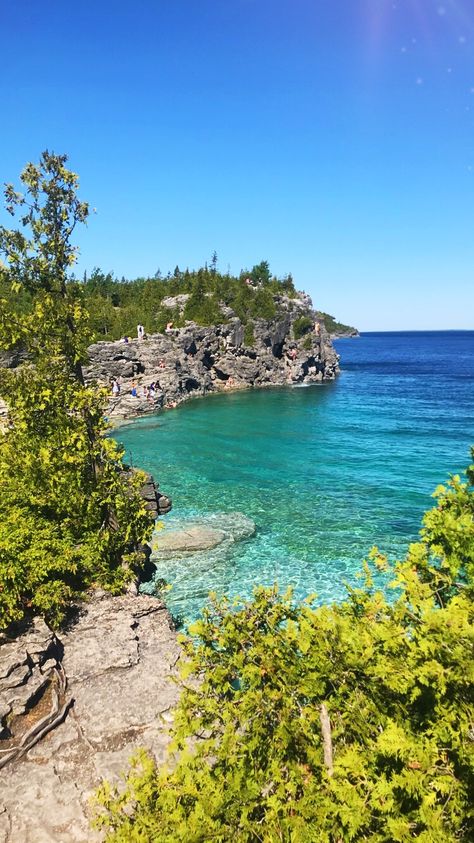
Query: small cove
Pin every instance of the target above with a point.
(325, 472)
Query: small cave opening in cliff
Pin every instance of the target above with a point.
(221, 375)
(191, 384)
(277, 350)
(207, 360)
(310, 363)
(191, 349)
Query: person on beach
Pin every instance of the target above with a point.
(133, 390)
(115, 388)
(140, 332)
(169, 328)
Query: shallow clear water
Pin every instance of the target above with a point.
(325, 472)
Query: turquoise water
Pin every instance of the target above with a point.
(325, 472)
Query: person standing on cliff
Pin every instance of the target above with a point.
(140, 332)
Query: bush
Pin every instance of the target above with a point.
(68, 519)
(263, 305)
(249, 336)
(64, 525)
(301, 326)
(338, 723)
(203, 309)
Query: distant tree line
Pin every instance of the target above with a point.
(117, 306)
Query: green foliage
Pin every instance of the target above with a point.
(307, 344)
(301, 326)
(339, 723)
(117, 306)
(263, 305)
(261, 273)
(333, 327)
(68, 519)
(202, 306)
(249, 336)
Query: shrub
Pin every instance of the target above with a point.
(301, 326)
(68, 519)
(338, 723)
(249, 336)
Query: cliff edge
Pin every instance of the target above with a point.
(292, 348)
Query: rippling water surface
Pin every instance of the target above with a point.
(325, 472)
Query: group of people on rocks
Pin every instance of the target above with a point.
(148, 392)
(141, 391)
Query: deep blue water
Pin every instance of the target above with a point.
(325, 472)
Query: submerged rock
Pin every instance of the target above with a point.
(185, 565)
(190, 539)
(201, 533)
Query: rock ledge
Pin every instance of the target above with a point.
(119, 657)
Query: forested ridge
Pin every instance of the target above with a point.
(117, 306)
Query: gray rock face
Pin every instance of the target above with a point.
(118, 658)
(156, 502)
(26, 669)
(195, 360)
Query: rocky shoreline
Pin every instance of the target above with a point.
(75, 704)
(110, 672)
(195, 361)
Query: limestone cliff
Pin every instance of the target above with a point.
(196, 360)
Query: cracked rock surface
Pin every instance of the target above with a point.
(119, 656)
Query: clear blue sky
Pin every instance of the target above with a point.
(334, 138)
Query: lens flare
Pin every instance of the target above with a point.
(419, 20)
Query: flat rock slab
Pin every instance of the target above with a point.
(120, 657)
(191, 539)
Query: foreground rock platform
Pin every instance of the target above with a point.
(119, 657)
